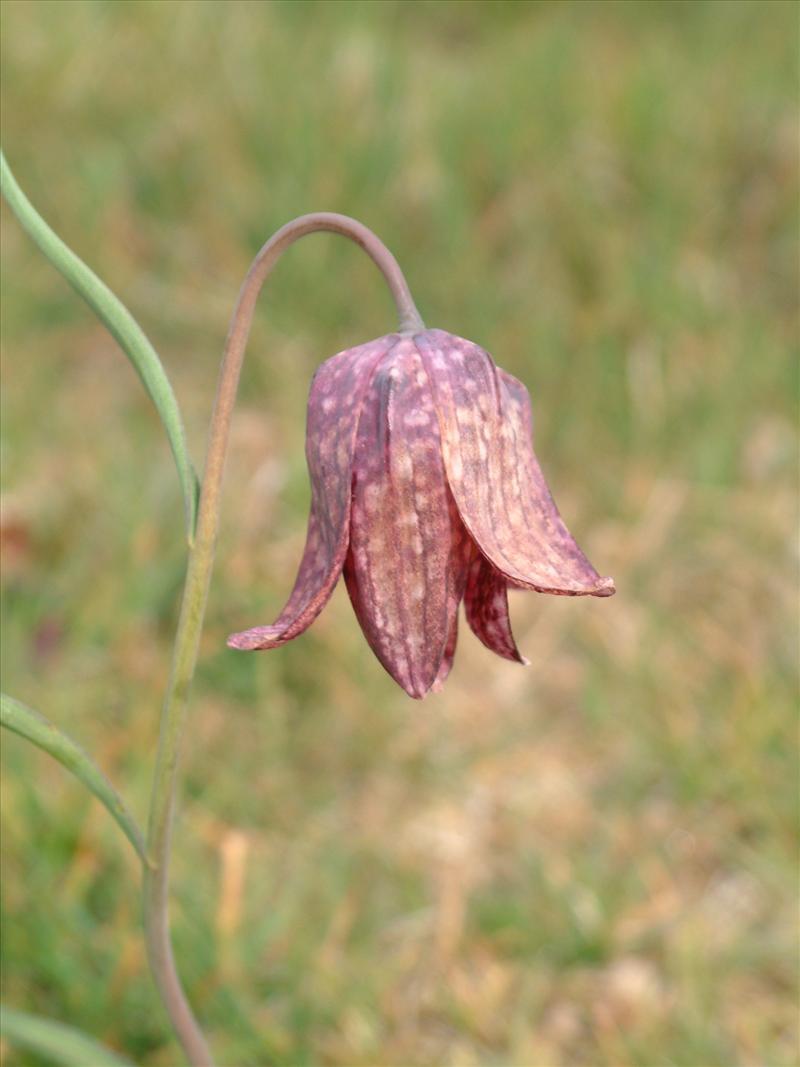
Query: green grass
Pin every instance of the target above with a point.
(592, 862)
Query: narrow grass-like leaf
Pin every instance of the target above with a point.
(41, 732)
(55, 1041)
(120, 323)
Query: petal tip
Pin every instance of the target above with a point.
(237, 641)
(249, 640)
(416, 691)
(605, 587)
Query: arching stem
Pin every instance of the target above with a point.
(198, 576)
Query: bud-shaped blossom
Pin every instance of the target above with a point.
(425, 492)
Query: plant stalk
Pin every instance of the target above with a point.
(195, 595)
(120, 323)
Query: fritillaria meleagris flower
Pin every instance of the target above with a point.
(425, 492)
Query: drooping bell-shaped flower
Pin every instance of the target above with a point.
(425, 492)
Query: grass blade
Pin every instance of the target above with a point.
(120, 323)
(41, 732)
(57, 1042)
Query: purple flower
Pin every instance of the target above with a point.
(425, 492)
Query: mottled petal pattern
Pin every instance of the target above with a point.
(493, 473)
(486, 607)
(449, 656)
(461, 551)
(406, 565)
(425, 491)
(334, 407)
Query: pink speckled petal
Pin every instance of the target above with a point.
(486, 606)
(449, 655)
(503, 499)
(406, 564)
(334, 406)
(460, 554)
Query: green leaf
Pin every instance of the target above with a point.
(41, 732)
(59, 1043)
(120, 323)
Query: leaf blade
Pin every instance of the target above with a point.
(60, 1043)
(122, 326)
(37, 729)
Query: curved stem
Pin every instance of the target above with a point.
(34, 727)
(201, 560)
(120, 324)
(54, 1041)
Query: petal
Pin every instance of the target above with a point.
(503, 499)
(460, 555)
(334, 406)
(449, 655)
(486, 604)
(406, 566)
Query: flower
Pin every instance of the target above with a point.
(425, 492)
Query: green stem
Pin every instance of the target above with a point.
(55, 1042)
(119, 322)
(195, 594)
(33, 726)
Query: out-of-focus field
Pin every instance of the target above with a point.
(592, 861)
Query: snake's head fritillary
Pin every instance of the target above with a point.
(425, 492)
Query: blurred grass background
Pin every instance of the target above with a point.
(589, 862)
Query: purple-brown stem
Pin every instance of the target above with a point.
(195, 594)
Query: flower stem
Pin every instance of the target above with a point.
(195, 594)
